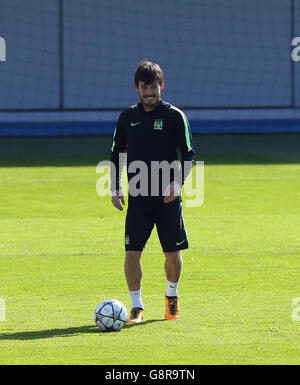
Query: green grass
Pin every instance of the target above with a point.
(61, 253)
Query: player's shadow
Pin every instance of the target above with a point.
(127, 325)
(66, 332)
(50, 333)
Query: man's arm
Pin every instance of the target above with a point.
(185, 144)
(118, 147)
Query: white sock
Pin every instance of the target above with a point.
(136, 298)
(172, 290)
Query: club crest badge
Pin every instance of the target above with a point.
(158, 124)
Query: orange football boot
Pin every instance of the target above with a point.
(136, 315)
(172, 308)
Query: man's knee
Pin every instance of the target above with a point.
(173, 256)
(133, 256)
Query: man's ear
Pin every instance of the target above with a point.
(162, 86)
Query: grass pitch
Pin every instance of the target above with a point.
(61, 253)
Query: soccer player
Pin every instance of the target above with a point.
(152, 131)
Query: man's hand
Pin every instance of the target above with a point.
(116, 197)
(172, 192)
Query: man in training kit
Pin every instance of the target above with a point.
(151, 132)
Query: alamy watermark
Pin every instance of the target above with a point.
(296, 51)
(296, 310)
(154, 179)
(2, 49)
(2, 309)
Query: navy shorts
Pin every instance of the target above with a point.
(168, 218)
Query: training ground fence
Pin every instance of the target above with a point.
(67, 66)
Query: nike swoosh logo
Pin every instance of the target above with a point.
(179, 243)
(134, 124)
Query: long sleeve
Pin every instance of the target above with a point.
(118, 147)
(185, 145)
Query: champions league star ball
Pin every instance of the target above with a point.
(110, 315)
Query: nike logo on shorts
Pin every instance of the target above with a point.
(135, 124)
(179, 243)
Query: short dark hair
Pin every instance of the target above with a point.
(148, 72)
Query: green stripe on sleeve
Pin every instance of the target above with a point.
(186, 128)
(113, 144)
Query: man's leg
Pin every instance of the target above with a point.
(173, 268)
(134, 272)
(173, 265)
(173, 238)
(138, 226)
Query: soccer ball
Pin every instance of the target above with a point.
(110, 315)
